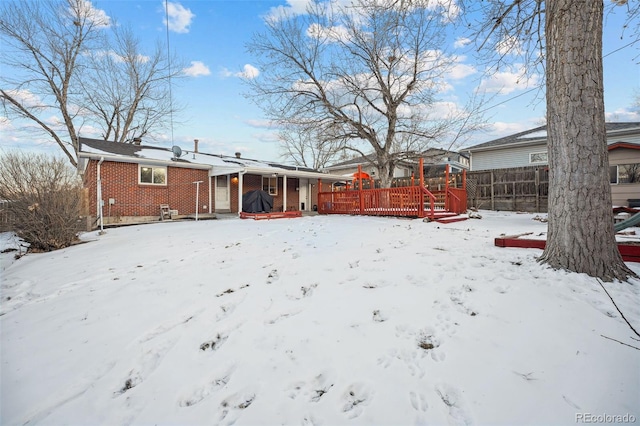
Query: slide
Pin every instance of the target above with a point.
(632, 221)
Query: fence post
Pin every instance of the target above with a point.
(493, 203)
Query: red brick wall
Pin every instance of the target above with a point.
(120, 182)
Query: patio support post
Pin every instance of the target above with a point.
(464, 179)
(360, 193)
(240, 181)
(446, 187)
(284, 193)
(318, 195)
(209, 183)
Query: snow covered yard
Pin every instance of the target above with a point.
(320, 320)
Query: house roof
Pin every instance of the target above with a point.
(370, 158)
(539, 135)
(216, 164)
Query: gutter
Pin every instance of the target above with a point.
(140, 160)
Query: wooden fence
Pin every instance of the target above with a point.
(515, 189)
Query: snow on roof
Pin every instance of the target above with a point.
(534, 135)
(219, 164)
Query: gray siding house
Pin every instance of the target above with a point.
(529, 150)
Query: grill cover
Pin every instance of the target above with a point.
(257, 201)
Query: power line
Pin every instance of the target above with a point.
(166, 11)
(540, 85)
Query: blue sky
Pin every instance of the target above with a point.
(211, 35)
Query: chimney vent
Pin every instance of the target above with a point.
(195, 145)
(238, 155)
(137, 141)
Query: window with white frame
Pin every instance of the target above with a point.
(538, 157)
(153, 175)
(270, 185)
(624, 173)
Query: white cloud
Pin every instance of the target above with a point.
(501, 128)
(5, 124)
(623, 114)
(336, 33)
(260, 123)
(116, 57)
(26, 98)
(509, 45)
(461, 42)
(196, 69)
(179, 17)
(248, 71)
(505, 82)
(97, 17)
(460, 70)
(292, 8)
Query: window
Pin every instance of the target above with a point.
(153, 175)
(538, 157)
(625, 173)
(270, 185)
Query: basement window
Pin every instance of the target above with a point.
(153, 175)
(270, 185)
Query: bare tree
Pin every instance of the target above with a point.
(43, 41)
(566, 37)
(67, 58)
(127, 91)
(365, 77)
(43, 195)
(308, 148)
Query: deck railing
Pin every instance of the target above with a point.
(413, 201)
(410, 201)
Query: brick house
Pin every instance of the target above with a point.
(134, 181)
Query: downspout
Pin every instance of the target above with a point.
(99, 196)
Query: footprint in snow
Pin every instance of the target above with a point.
(145, 364)
(312, 390)
(231, 407)
(273, 276)
(418, 401)
(452, 399)
(204, 391)
(213, 344)
(356, 398)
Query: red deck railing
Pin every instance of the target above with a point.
(410, 201)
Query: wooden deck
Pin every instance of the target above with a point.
(415, 200)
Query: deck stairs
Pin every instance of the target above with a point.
(440, 213)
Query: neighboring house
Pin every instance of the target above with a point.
(529, 150)
(434, 160)
(350, 167)
(134, 181)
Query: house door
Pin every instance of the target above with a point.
(303, 194)
(222, 193)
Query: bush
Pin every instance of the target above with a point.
(43, 195)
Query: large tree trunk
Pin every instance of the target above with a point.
(581, 236)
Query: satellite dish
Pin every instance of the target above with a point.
(177, 151)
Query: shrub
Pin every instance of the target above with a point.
(43, 195)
